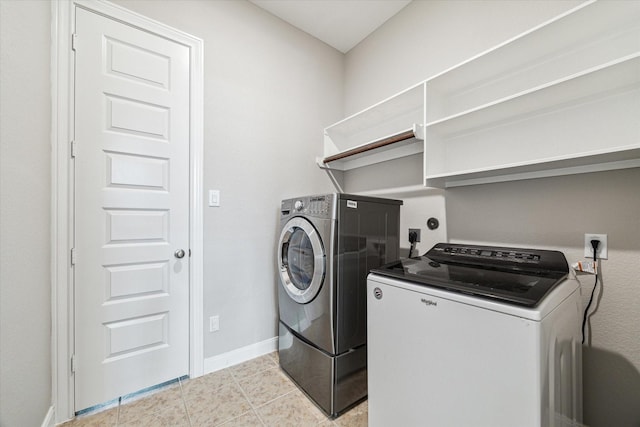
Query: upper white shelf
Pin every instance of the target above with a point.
(601, 81)
(385, 120)
(593, 34)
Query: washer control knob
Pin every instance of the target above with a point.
(298, 205)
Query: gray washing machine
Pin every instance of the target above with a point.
(328, 243)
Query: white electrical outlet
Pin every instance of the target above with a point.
(603, 249)
(214, 323)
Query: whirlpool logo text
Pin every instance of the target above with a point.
(428, 302)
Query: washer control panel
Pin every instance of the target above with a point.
(500, 257)
(490, 253)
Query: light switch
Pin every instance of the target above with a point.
(214, 198)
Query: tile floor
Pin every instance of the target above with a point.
(254, 393)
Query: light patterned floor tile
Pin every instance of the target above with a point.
(170, 417)
(206, 384)
(266, 386)
(290, 410)
(169, 399)
(107, 418)
(355, 417)
(221, 405)
(311, 407)
(252, 367)
(275, 356)
(250, 419)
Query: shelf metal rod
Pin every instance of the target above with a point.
(403, 136)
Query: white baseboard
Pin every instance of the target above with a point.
(221, 361)
(50, 418)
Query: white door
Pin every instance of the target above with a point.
(131, 209)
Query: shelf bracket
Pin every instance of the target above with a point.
(329, 171)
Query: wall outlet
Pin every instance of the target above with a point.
(214, 323)
(603, 250)
(414, 230)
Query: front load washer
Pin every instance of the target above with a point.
(328, 243)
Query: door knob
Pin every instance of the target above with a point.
(179, 253)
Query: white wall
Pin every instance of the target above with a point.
(429, 36)
(269, 91)
(25, 298)
(419, 205)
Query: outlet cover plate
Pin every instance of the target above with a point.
(603, 249)
(214, 323)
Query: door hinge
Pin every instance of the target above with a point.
(73, 256)
(189, 253)
(73, 149)
(73, 363)
(74, 37)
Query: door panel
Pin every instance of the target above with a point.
(131, 209)
(130, 170)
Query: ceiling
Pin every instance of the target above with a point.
(341, 24)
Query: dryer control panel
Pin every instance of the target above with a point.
(318, 206)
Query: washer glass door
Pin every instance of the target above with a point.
(301, 260)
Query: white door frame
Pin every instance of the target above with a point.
(62, 220)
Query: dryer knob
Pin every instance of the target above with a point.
(298, 205)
